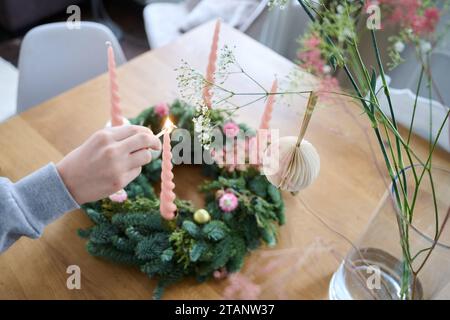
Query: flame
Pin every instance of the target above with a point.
(168, 125)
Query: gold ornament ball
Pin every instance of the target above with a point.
(201, 216)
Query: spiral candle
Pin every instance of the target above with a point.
(116, 111)
(207, 96)
(263, 137)
(267, 115)
(167, 206)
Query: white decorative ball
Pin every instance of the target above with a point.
(291, 167)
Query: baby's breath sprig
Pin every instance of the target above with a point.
(202, 124)
(191, 83)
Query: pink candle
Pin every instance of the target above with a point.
(167, 206)
(116, 111)
(211, 65)
(267, 115)
(263, 136)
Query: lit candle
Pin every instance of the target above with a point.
(116, 111)
(211, 65)
(168, 127)
(167, 206)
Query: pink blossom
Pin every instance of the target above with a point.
(427, 23)
(231, 129)
(228, 202)
(312, 42)
(327, 88)
(402, 12)
(162, 109)
(311, 57)
(220, 274)
(410, 14)
(119, 197)
(241, 287)
(312, 60)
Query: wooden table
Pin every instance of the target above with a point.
(344, 195)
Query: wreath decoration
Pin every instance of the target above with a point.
(242, 211)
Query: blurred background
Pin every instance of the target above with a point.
(142, 25)
(139, 25)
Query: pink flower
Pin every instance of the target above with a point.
(311, 57)
(162, 109)
(241, 287)
(312, 42)
(427, 23)
(220, 274)
(328, 88)
(231, 129)
(119, 197)
(403, 12)
(410, 14)
(312, 60)
(228, 202)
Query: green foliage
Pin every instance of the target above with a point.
(102, 233)
(258, 186)
(144, 221)
(191, 228)
(167, 255)
(134, 233)
(197, 250)
(215, 230)
(182, 244)
(152, 246)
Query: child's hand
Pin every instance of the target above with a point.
(109, 160)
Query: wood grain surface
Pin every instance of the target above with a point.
(343, 197)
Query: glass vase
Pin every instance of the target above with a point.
(384, 265)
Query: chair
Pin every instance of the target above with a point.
(403, 85)
(8, 89)
(255, 22)
(162, 20)
(54, 58)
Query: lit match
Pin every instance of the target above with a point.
(168, 127)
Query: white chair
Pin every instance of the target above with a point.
(54, 58)
(254, 24)
(8, 89)
(403, 85)
(162, 20)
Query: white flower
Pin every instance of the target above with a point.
(399, 46)
(347, 32)
(226, 61)
(326, 69)
(340, 9)
(190, 83)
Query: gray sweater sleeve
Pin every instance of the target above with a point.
(28, 205)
